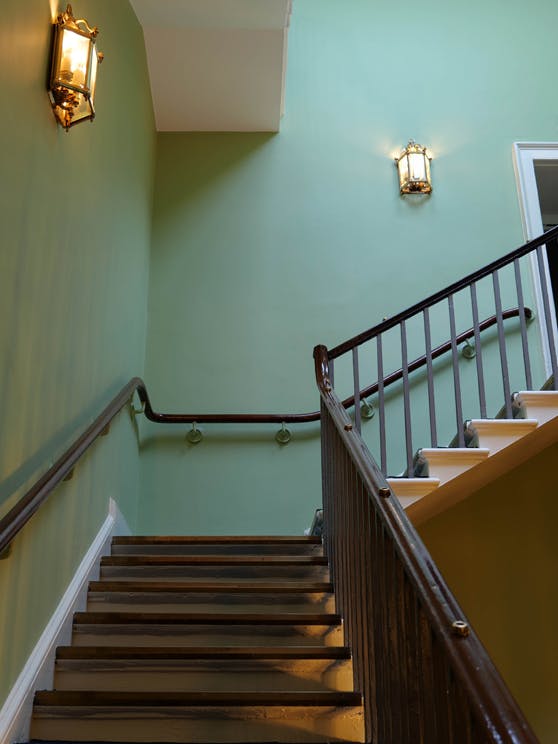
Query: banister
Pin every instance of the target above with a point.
(487, 693)
(21, 513)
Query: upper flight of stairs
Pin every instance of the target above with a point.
(205, 640)
(494, 446)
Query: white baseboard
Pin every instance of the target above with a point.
(37, 674)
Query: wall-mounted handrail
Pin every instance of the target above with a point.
(303, 418)
(422, 670)
(24, 509)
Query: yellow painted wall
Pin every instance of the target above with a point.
(498, 551)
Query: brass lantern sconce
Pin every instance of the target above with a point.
(413, 167)
(74, 70)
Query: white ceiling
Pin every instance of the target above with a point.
(216, 65)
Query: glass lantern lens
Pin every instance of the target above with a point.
(93, 79)
(73, 59)
(403, 166)
(417, 167)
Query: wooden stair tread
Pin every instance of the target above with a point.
(202, 652)
(207, 618)
(250, 586)
(217, 539)
(212, 560)
(96, 698)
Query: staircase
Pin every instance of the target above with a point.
(198, 639)
(446, 475)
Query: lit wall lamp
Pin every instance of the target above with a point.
(74, 70)
(413, 166)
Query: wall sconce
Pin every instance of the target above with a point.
(74, 70)
(413, 166)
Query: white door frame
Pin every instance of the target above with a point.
(524, 156)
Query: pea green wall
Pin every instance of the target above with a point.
(497, 550)
(264, 245)
(74, 264)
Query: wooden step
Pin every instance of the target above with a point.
(169, 596)
(240, 545)
(203, 668)
(200, 717)
(188, 629)
(183, 567)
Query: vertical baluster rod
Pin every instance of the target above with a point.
(547, 313)
(456, 379)
(502, 345)
(406, 400)
(523, 324)
(381, 405)
(356, 389)
(430, 379)
(478, 350)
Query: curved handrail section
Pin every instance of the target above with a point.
(303, 418)
(22, 512)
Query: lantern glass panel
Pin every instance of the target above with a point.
(93, 77)
(83, 110)
(417, 166)
(74, 59)
(403, 167)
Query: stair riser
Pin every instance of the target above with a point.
(287, 549)
(206, 602)
(203, 573)
(208, 635)
(215, 676)
(199, 725)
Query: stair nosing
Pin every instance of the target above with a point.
(204, 587)
(213, 560)
(204, 618)
(215, 539)
(115, 653)
(119, 699)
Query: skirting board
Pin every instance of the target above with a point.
(15, 715)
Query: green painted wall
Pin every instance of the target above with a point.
(265, 245)
(74, 263)
(497, 550)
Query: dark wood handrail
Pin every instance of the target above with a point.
(551, 236)
(490, 699)
(303, 418)
(21, 513)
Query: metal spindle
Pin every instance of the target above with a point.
(523, 325)
(456, 379)
(547, 312)
(430, 379)
(478, 351)
(356, 389)
(502, 345)
(381, 405)
(406, 400)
